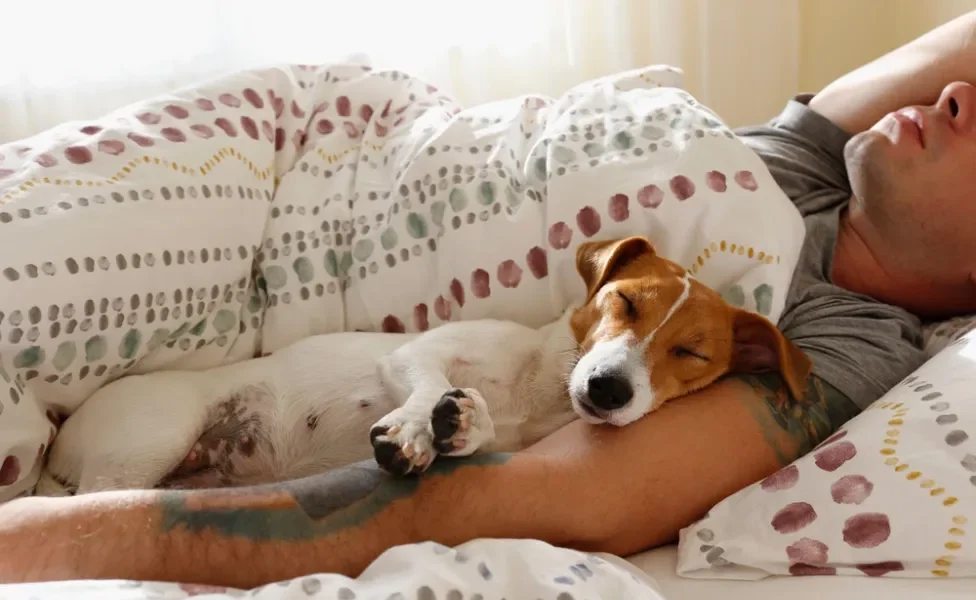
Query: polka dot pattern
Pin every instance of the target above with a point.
(480, 283)
(211, 148)
(509, 274)
(793, 517)
(111, 147)
(835, 455)
(783, 479)
(889, 494)
(867, 530)
(588, 221)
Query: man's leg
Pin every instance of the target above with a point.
(592, 488)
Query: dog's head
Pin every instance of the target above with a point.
(649, 333)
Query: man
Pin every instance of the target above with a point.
(889, 202)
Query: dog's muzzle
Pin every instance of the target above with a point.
(610, 383)
(608, 392)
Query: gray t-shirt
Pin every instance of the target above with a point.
(860, 346)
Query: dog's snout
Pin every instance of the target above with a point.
(609, 392)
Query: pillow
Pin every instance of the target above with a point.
(893, 493)
(940, 334)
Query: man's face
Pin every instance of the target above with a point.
(914, 180)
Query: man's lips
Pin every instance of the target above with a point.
(912, 122)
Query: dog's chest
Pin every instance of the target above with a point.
(524, 389)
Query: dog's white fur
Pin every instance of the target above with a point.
(623, 354)
(135, 431)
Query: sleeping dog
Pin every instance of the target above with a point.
(647, 333)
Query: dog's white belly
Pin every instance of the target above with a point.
(524, 401)
(304, 410)
(300, 411)
(310, 409)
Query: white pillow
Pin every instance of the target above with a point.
(893, 493)
(940, 334)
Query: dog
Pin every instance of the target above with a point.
(646, 334)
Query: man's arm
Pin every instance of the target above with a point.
(618, 490)
(913, 74)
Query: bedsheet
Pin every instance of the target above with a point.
(477, 570)
(238, 216)
(513, 569)
(660, 565)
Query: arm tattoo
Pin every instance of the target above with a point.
(303, 509)
(806, 423)
(325, 504)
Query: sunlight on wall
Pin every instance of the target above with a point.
(840, 35)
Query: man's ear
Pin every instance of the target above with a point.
(760, 346)
(597, 261)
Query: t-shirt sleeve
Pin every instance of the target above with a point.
(804, 152)
(858, 345)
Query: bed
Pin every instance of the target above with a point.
(661, 564)
(235, 217)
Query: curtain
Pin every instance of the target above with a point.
(77, 60)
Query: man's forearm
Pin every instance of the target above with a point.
(335, 522)
(913, 74)
(611, 489)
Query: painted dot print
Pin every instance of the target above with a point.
(682, 187)
(560, 235)
(808, 551)
(588, 221)
(716, 181)
(650, 196)
(884, 496)
(313, 197)
(783, 479)
(793, 517)
(835, 455)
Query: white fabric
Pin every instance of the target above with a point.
(242, 215)
(487, 569)
(519, 569)
(940, 334)
(892, 494)
(660, 565)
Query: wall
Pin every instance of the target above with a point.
(745, 58)
(840, 35)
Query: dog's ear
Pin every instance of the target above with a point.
(760, 346)
(596, 262)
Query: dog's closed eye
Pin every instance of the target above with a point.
(631, 307)
(690, 349)
(687, 352)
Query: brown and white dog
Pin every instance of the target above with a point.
(647, 333)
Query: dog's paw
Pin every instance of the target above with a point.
(402, 448)
(461, 423)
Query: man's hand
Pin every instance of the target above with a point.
(619, 490)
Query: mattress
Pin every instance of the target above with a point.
(659, 566)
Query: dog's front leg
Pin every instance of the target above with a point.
(433, 417)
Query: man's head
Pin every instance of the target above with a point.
(914, 208)
(651, 333)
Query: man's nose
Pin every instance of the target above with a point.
(958, 101)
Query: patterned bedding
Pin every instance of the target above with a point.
(480, 569)
(236, 217)
(233, 218)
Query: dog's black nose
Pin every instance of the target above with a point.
(609, 392)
